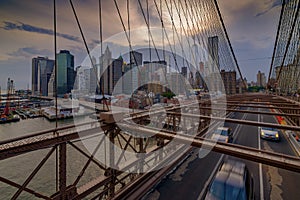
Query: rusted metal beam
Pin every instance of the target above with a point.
(258, 106)
(62, 150)
(238, 121)
(53, 130)
(92, 186)
(253, 154)
(90, 158)
(261, 103)
(252, 112)
(17, 147)
(86, 155)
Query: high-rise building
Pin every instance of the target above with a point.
(191, 79)
(104, 67)
(131, 78)
(127, 79)
(86, 81)
(135, 77)
(261, 79)
(42, 68)
(240, 85)
(51, 85)
(136, 58)
(201, 68)
(65, 72)
(176, 83)
(115, 75)
(195, 56)
(184, 72)
(213, 50)
(229, 81)
(90, 80)
(151, 74)
(199, 82)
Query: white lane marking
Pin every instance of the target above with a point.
(238, 128)
(261, 186)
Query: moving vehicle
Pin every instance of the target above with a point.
(223, 134)
(269, 133)
(232, 181)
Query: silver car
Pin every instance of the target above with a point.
(269, 134)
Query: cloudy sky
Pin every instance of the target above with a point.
(26, 31)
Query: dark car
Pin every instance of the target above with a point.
(232, 181)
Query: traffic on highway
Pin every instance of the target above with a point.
(219, 176)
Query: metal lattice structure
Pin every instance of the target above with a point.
(284, 70)
(154, 151)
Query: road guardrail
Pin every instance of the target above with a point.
(295, 140)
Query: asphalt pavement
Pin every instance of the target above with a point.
(188, 181)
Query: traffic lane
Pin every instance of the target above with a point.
(188, 180)
(283, 184)
(191, 176)
(248, 136)
(283, 146)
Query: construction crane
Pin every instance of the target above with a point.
(9, 91)
(6, 116)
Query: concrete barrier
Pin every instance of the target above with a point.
(294, 140)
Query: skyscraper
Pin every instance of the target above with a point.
(195, 56)
(229, 81)
(66, 73)
(127, 79)
(116, 74)
(131, 70)
(213, 50)
(184, 72)
(136, 58)
(104, 67)
(261, 79)
(42, 68)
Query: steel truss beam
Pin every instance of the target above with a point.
(45, 139)
(238, 121)
(253, 154)
(252, 112)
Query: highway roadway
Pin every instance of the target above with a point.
(190, 179)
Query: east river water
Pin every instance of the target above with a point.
(18, 168)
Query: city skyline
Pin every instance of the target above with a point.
(184, 99)
(23, 36)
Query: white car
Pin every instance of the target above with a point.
(269, 134)
(222, 134)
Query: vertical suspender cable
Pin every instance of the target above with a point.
(55, 88)
(101, 82)
(86, 47)
(149, 39)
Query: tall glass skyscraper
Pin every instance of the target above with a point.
(65, 72)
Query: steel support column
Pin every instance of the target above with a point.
(62, 170)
